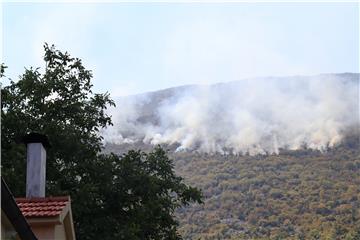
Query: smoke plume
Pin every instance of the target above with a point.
(254, 116)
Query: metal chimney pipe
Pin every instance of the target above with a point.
(36, 164)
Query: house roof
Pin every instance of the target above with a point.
(48, 210)
(42, 207)
(13, 214)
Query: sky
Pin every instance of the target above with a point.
(137, 47)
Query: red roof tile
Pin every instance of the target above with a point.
(42, 207)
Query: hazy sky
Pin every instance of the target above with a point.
(137, 47)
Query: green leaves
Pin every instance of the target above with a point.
(127, 197)
(2, 70)
(144, 194)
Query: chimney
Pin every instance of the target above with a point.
(36, 164)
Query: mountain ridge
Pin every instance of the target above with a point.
(255, 115)
(302, 193)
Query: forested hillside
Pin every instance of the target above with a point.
(276, 158)
(255, 116)
(302, 194)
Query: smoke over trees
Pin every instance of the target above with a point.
(254, 116)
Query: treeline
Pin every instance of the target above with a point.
(300, 194)
(303, 194)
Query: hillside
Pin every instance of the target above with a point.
(276, 158)
(148, 103)
(260, 115)
(301, 194)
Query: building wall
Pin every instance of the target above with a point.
(60, 232)
(7, 230)
(46, 232)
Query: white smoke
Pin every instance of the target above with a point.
(249, 116)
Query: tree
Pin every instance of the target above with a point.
(124, 197)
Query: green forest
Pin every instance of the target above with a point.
(302, 194)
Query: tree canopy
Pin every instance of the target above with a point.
(132, 196)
